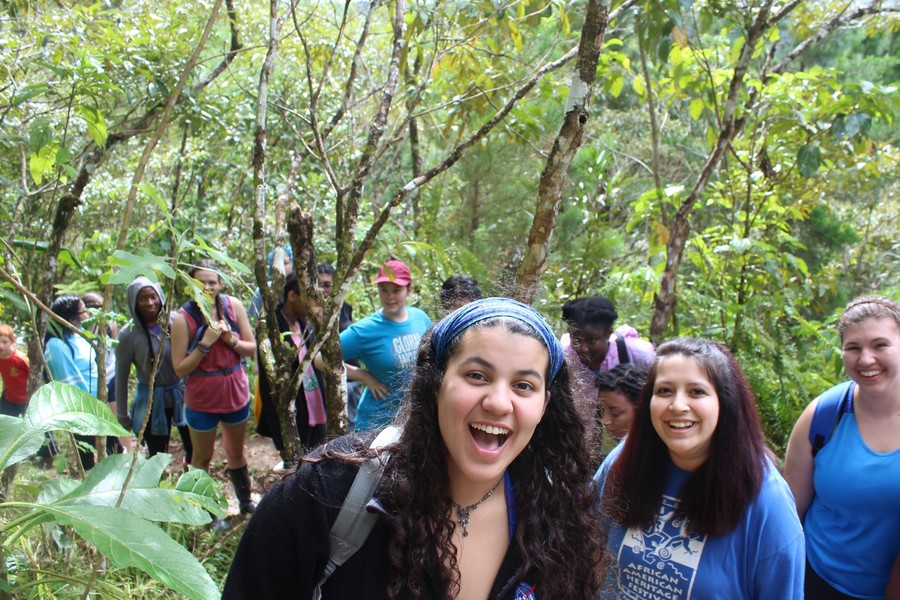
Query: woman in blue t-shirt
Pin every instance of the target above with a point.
(386, 342)
(848, 494)
(694, 505)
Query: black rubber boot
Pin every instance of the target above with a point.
(240, 479)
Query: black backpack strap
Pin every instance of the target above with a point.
(354, 522)
(831, 406)
(623, 350)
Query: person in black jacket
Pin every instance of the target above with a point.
(309, 404)
(486, 493)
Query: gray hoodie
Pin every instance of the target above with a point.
(135, 348)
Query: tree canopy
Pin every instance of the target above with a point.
(716, 168)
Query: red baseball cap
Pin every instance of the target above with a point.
(394, 271)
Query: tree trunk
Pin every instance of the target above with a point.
(731, 125)
(553, 178)
(277, 358)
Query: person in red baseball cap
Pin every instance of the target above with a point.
(386, 342)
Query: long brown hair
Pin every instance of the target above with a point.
(717, 494)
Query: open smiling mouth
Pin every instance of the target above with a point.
(488, 437)
(680, 425)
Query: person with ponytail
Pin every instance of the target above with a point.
(71, 359)
(848, 489)
(208, 355)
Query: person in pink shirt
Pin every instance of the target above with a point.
(209, 358)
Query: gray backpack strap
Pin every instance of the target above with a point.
(354, 522)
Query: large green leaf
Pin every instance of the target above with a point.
(103, 485)
(126, 266)
(130, 541)
(55, 406)
(198, 482)
(61, 406)
(55, 489)
(12, 430)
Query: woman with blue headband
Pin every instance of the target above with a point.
(485, 493)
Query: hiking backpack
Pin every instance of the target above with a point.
(354, 522)
(191, 308)
(623, 350)
(831, 406)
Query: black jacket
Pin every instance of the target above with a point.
(286, 545)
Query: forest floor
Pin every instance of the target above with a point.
(263, 462)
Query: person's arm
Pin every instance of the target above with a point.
(892, 591)
(124, 356)
(798, 462)
(184, 363)
(246, 345)
(61, 365)
(376, 388)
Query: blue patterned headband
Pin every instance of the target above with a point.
(467, 315)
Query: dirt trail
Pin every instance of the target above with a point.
(262, 460)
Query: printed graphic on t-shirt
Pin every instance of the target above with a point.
(525, 591)
(660, 561)
(404, 349)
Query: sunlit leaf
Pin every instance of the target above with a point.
(103, 485)
(127, 266)
(59, 406)
(130, 541)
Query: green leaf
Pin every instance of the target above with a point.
(95, 122)
(103, 485)
(61, 406)
(154, 195)
(127, 266)
(640, 87)
(29, 92)
(697, 107)
(809, 157)
(222, 258)
(57, 406)
(615, 84)
(12, 431)
(857, 123)
(42, 163)
(39, 134)
(55, 489)
(130, 541)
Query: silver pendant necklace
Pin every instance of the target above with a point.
(463, 512)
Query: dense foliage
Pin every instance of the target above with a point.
(779, 160)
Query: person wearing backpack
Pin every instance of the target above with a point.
(141, 341)
(72, 359)
(846, 477)
(485, 494)
(209, 358)
(592, 347)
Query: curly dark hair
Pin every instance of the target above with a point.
(590, 311)
(459, 288)
(558, 533)
(626, 378)
(717, 494)
(68, 307)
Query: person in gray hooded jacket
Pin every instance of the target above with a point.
(139, 343)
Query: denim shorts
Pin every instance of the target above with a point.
(207, 421)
